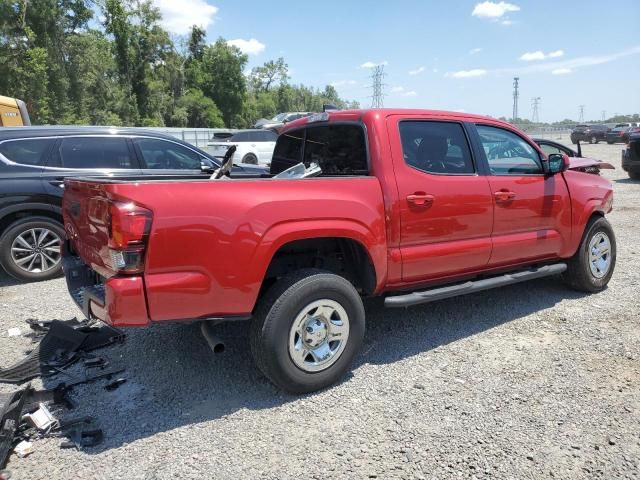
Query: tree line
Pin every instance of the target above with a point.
(110, 62)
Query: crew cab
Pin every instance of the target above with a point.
(412, 205)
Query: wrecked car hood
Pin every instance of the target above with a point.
(578, 163)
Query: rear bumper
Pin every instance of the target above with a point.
(117, 301)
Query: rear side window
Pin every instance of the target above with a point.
(240, 137)
(267, 136)
(93, 152)
(288, 151)
(27, 152)
(436, 147)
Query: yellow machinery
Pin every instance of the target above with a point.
(13, 112)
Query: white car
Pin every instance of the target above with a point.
(253, 147)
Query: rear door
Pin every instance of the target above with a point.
(532, 210)
(86, 155)
(446, 207)
(159, 156)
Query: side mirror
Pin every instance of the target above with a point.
(206, 165)
(556, 163)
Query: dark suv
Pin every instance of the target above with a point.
(631, 157)
(34, 161)
(589, 133)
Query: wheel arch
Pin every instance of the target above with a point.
(10, 214)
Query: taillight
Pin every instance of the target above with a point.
(129, 229)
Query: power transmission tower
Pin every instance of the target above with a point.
(581, 119)
(377, 99)
(515, 99)
(604, 115)
(535, 103)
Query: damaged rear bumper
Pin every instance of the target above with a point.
(117, 301)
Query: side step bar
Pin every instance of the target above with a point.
(416, 298)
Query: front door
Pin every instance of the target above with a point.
(446, 208)
(531, 209)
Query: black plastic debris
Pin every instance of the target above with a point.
(115, 384)
(11, 406)
(61, 346)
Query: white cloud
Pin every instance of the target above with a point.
(179, 17)
(540, 55)
(473, 51)
(250, 47)
(342, 83)
(397, 89)
(417, 71)
(561, 71)
(371, 64)
(493, 10)
(476, 72)
(410, 93)
(506, 22)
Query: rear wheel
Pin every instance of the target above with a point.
(593, 139)
(307, 330)
(30, 249)
(591, 268)
(250, 158)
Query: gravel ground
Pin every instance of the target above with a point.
(528, 381)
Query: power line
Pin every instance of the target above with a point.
(515, 98)
(581, 119)
(535, 103)
(377, 99)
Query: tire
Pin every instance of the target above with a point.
(250, 159)
(593, 139)
(287, 304)
(634, 175)
(12, 251)
(609, 142)
(580, 273)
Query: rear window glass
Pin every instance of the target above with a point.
(336, 149)
(26, 152)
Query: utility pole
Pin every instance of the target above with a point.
(581, 119)
(377, 99)
(515, 99)
(604, 115)
(535, 103)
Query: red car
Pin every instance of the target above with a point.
(414, 205)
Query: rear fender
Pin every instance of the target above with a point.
(374, 242)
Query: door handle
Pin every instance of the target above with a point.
(504, 196)
(420, 199)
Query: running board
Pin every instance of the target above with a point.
(415, 298)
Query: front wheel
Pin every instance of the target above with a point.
(591, 267)
(30, 249)
(250, 159)
(593, 139)
(307, 330)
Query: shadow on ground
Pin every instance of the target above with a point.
(174, 380)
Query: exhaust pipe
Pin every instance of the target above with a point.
(215, 344)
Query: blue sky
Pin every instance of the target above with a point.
(452, 55)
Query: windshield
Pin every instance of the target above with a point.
(280, 117)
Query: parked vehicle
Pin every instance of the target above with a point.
(13, 112)
(550, 147)
(631, 157)
(415, 205)
(34, 161)
(253, 147)
(616, 134)
(281, 119)
(628, 132)
(589, 133)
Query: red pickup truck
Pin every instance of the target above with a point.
(415, 205)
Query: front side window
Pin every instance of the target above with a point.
(508, 153)
(160, 154)
(26, 152)
(436, 147)
(240, 137)
(93, 152)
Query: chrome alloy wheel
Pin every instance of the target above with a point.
(600, 255)
(36, 250)
(318, 335)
